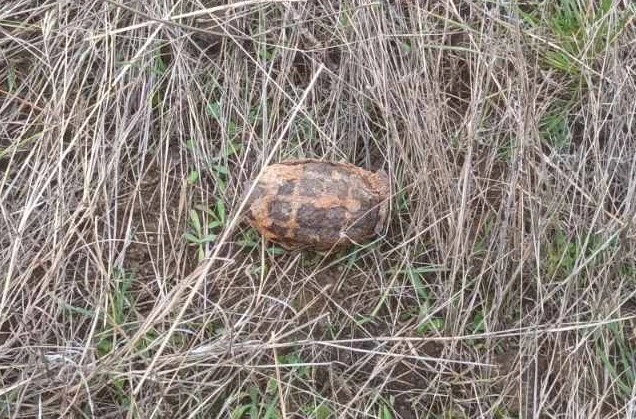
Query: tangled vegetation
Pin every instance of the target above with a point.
(504, 285)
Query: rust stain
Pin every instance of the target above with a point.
(321, 202)
(379, 183)
(336, 175)
(278, 174)
(269, 235)
(292, 224)
(329, 202)
(259, 211)
(348, 213)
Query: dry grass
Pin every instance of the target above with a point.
(505, 285)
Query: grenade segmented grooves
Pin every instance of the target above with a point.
(318, 205)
